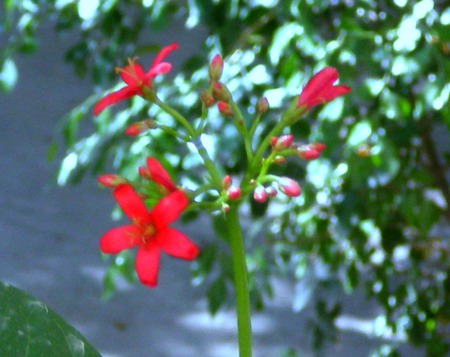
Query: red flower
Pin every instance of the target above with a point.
(320, 89)
(136, 79)
(156, 173)
(150, 232)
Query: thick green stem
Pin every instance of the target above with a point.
(240, 282)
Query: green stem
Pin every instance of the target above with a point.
(240, 281)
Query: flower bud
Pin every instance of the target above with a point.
(220, 92)
(319, 146)
(262, 106)
(260, 194)
(207, 99)
(279, 160)
(271, 191)
(225, 109)
(289, 187)
(308, 153)
(215, 68)
(281, 143)
(139, 127)
(111, 180)
(234, 193)
(226, 182)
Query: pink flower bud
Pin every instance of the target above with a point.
(234, 193)
(216, 68)
(308, 152)
(289, 187)
(111, 180)
(226, 182)
(281, 143)
(225, 109)
(260, 194)
(262, 106)
(319, 146)
(220, 92)
(271, 191)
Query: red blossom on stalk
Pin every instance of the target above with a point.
(289, 187)
(136, 79)
(149, 231)
(156, 173)
(320, 89)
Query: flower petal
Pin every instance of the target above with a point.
(130, 203)
(113, 98)
(163, 54)
(161, 68)
(147, 265)
(132, 74)
(324, 78)
(169, 209)
(159, 175)
(176, 244)
(119, 238)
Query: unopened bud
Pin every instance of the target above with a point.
(144, 173)
(281, 143)
(260, 194)
(225, 208)
(262, 106)
(111, 180)
(234, 193)
(289, 187)
(226, 182)
(225, 109)
(220, 92)
(216, 68)
(271, 191)
(207, 99)
(139, 127)
(308, 152)
(319, 146)
(279, 160)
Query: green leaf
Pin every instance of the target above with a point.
(29, 328)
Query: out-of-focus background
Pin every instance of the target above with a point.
(387, 176)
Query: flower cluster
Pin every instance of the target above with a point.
(150, 229)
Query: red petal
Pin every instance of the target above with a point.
(159, 175)
(163, 54)
(161, 68)
(130, 203)
(147, 265)
(324, 78)
(169, 209)
(113, 98)
(132, 75)
(120, 238)
(176, 244)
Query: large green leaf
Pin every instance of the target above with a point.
(29, 328)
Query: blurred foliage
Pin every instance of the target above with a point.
(375, 207)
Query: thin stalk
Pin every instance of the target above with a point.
(240, 281)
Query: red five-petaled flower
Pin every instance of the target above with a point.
(136, 79)
(149, 231)
(320, 89)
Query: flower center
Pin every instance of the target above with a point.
(148, 233)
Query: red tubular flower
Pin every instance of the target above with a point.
(149, 231)
(320, 89)
(156, 173)
(136, 79)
